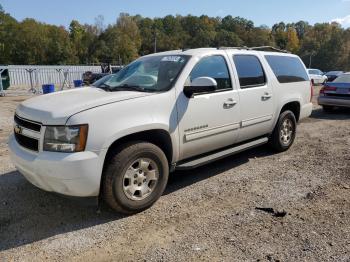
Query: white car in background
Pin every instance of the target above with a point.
(317, 76)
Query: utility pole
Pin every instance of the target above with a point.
(311, 53)
(310, 61)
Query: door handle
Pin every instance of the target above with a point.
(266, 96)
(230, 103)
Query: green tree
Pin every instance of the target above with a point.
(293, 44)
(31, 42)
(8, 31)
(227, 38)
(147, 33)
(301, 27)
(128, 38)
(76, 33)
(280, 35)
(59, 48)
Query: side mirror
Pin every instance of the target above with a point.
(200, 85)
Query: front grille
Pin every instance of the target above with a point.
(35, 126)
(27, 142)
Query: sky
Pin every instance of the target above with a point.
(261, 12)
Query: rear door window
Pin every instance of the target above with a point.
(249, 70)
(287, 69)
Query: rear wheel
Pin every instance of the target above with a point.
(284, 133)
(135, 177)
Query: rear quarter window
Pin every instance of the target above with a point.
(287, 69)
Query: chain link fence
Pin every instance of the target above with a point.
(25, 76)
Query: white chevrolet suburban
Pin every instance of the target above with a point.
(163, 112)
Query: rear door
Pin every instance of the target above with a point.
(255, 95)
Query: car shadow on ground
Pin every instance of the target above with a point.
(182, 179)
(28, 214)
(335, 114)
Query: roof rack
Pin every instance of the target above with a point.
(268, 48)
(257, 48)
(234, 47)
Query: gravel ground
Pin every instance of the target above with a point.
(205, 214)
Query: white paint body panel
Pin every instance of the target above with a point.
(197, 125)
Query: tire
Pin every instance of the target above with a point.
(279, 141)
(135, 177)
(327, 108)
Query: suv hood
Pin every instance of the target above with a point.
(56, 108)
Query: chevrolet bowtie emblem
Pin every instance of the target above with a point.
(18, 129)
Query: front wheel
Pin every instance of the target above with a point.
(135, 177)
(284, 133)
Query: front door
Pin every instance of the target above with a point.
(209, 121)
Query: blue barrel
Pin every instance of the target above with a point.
(50, 88)
(78, 83)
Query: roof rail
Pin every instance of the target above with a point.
(268, 48)
(257, 48)
(233, 47)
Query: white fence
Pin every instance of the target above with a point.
(20, 75)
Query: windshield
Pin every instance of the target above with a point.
(314, 72)
(147, 74)
(102, 80)
(342, 79)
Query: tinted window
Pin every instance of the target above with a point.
(345, 78)
(287, 69)
(250, 71)
(215, 67)
(334, 73)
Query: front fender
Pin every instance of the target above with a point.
(133, 130)
(111, 122)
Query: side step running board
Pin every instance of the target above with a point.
(219, 155)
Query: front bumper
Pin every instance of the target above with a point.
(77, 174)
(327, 101)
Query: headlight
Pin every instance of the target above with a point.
(65, 138)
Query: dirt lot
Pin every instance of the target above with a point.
(206, 214)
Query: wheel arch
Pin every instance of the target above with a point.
(159, 137)
(293, 106)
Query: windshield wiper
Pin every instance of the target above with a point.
(105, 87)
(127, 87)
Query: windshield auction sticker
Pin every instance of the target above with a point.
(172, 59)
